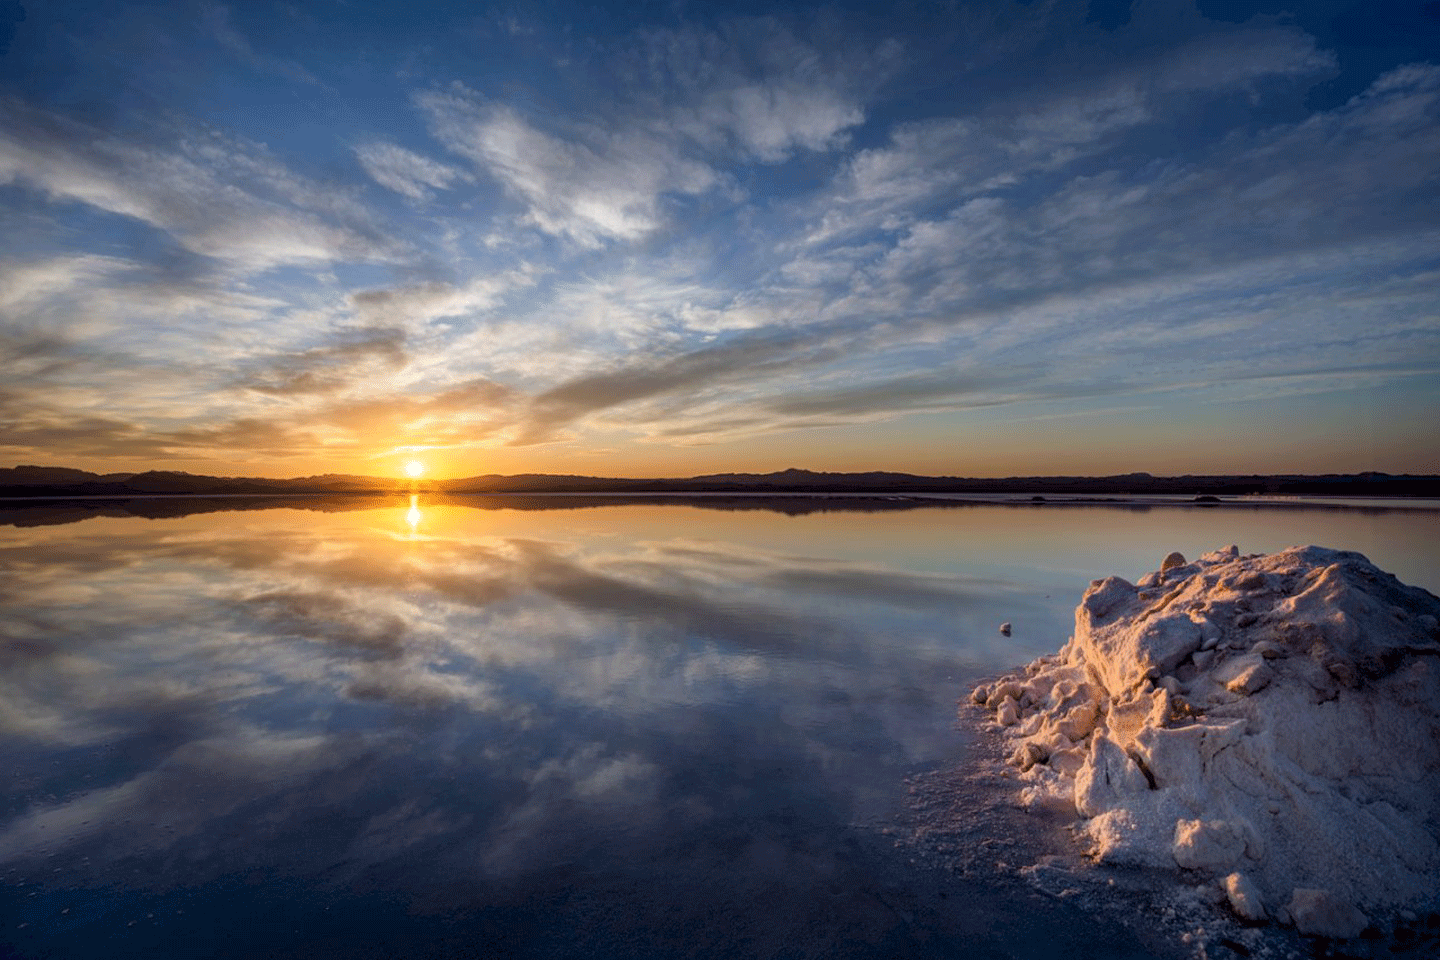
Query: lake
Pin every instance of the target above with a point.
(543, 727)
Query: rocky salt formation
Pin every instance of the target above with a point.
(1269, 722)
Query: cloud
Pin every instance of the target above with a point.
(754, 87)
(29, 285)
(323, 402)
(762, 226)
(1149, 91)
(1071, 273)
(1037, 127)
(217, 18)
(903, 393)
(1273, 203)
(416, 305)
(220, 198)
(745, 356)
(406, 172)
(685, 102)
(771, 122)
(595, 185)
(327, 369)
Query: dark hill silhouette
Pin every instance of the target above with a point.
(38, 481)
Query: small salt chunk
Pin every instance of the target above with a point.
(1248, 675)
(1107, 778)
(1320, 913)
(1028, 754)
(1008, 714)
(1067, 763)
(1079, 721)
(1268, 649)
(1249, 582)
(1221, 555)
(1244, 897)
(980, 694)
(1212, 845)
(1176, 559)
(1005, 628)
(1105, 596)
(1008, 688)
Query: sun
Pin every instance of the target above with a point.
(414, 468)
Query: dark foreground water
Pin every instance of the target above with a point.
(400, 728)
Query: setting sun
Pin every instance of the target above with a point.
(414, 468)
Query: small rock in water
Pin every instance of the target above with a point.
(1005, 629)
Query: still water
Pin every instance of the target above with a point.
(538, 728)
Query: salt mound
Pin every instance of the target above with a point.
(1272, 722)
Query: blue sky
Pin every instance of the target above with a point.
(668, 239)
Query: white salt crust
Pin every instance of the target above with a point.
(1272, 722)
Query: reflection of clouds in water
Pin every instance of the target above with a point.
(575, 686)
(175, 805)
(492, 604)
(418, 686)
(332, 618)
(587, 785)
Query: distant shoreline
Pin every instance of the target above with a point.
(1020, 499)
(61, 482)
(46, 510)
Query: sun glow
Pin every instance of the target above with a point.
(414, 468)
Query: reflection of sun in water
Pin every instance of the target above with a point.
(414, 468)
(413, 517)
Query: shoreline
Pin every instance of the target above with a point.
(918, 498)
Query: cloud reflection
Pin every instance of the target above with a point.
(404, 699)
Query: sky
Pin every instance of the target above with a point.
(669, 239)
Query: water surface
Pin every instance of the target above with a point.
(396, 727)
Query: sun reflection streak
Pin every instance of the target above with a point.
(413, 516)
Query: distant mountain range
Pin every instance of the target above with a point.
(33, 481)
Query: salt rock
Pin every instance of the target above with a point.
(1176, 559)
(1213, 845)
(1107, 777)
(1272, 718)
(1244, 898)
(1244, 675)
(1320, 913)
